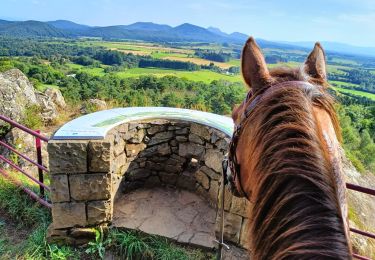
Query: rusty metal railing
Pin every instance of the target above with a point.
(39, 163)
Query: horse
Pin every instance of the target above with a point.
(285, 158)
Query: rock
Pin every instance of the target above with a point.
(69, 214)
(161, 138)
(195, 139)
(232, 227)
(191, 150)
(134, 149)
(90, 186)
(213, 160)
(56, 97)
(202, 178)
(99, 155)
(98, 212)
(241, 206)
(201, 131)
(93, 105)
(59, 188)
(67, 156)
(245, 234)
(16, 93)
(48, 108)
(25, 144)
(156, 129)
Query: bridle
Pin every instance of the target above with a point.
(231, 167)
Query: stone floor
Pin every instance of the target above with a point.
(177, 214)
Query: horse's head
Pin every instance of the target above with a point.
(284, 158)
(311, 76)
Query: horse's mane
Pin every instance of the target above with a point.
(296, 214)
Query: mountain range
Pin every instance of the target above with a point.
(149, 31)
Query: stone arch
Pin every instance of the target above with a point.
(86, 174)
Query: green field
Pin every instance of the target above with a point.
(201, 75)
(355, 92)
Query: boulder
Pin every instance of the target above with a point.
(93, 105)
(48, 108)
(56, 97)
(16, 93)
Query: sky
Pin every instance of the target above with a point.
(346, 21)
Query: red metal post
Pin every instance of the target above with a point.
(40, 162)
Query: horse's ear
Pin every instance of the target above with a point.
(254, 67)
(315, 65)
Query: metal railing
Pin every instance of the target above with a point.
(38, 163)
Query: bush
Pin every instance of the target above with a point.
(32, 117)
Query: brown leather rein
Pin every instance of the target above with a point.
(231, 167)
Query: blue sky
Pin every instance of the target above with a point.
(347, 21)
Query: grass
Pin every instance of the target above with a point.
(355, 92)
(206, 76)
(29, 220)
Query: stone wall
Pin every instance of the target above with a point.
(86, 175)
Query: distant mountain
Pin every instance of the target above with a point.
(31, 29)
(148, 26)
(239, 36)
(192, 32)
(149, 31)
(68, 25)
(217, 31)
(339, 47)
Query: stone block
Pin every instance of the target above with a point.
(168, 178)
(138, 174)
(134, 149)
(191, 150)
(212, 174)
(59, 188)
(195, 139)
(186, 181)
(157, 150)
(245, 238)
(241, 206)
(99, 212)
(201, 131)
(227, 198)
(216, 136)
(119, 147)
(181, 138)
(99, 156)
(119, 164)
(223, 144)
(202, 178)
(182, 131)
(69, 214)
(213, 193)
(232, 227)
(58, 236)
(161, 137)
(156, 129)
(67, 156)
(152, 181)
(90, 186)
(213, 160)
(135, 136)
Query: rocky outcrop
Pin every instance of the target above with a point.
(93, 105)
(16, 93)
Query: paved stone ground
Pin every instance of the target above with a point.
(177, 214)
